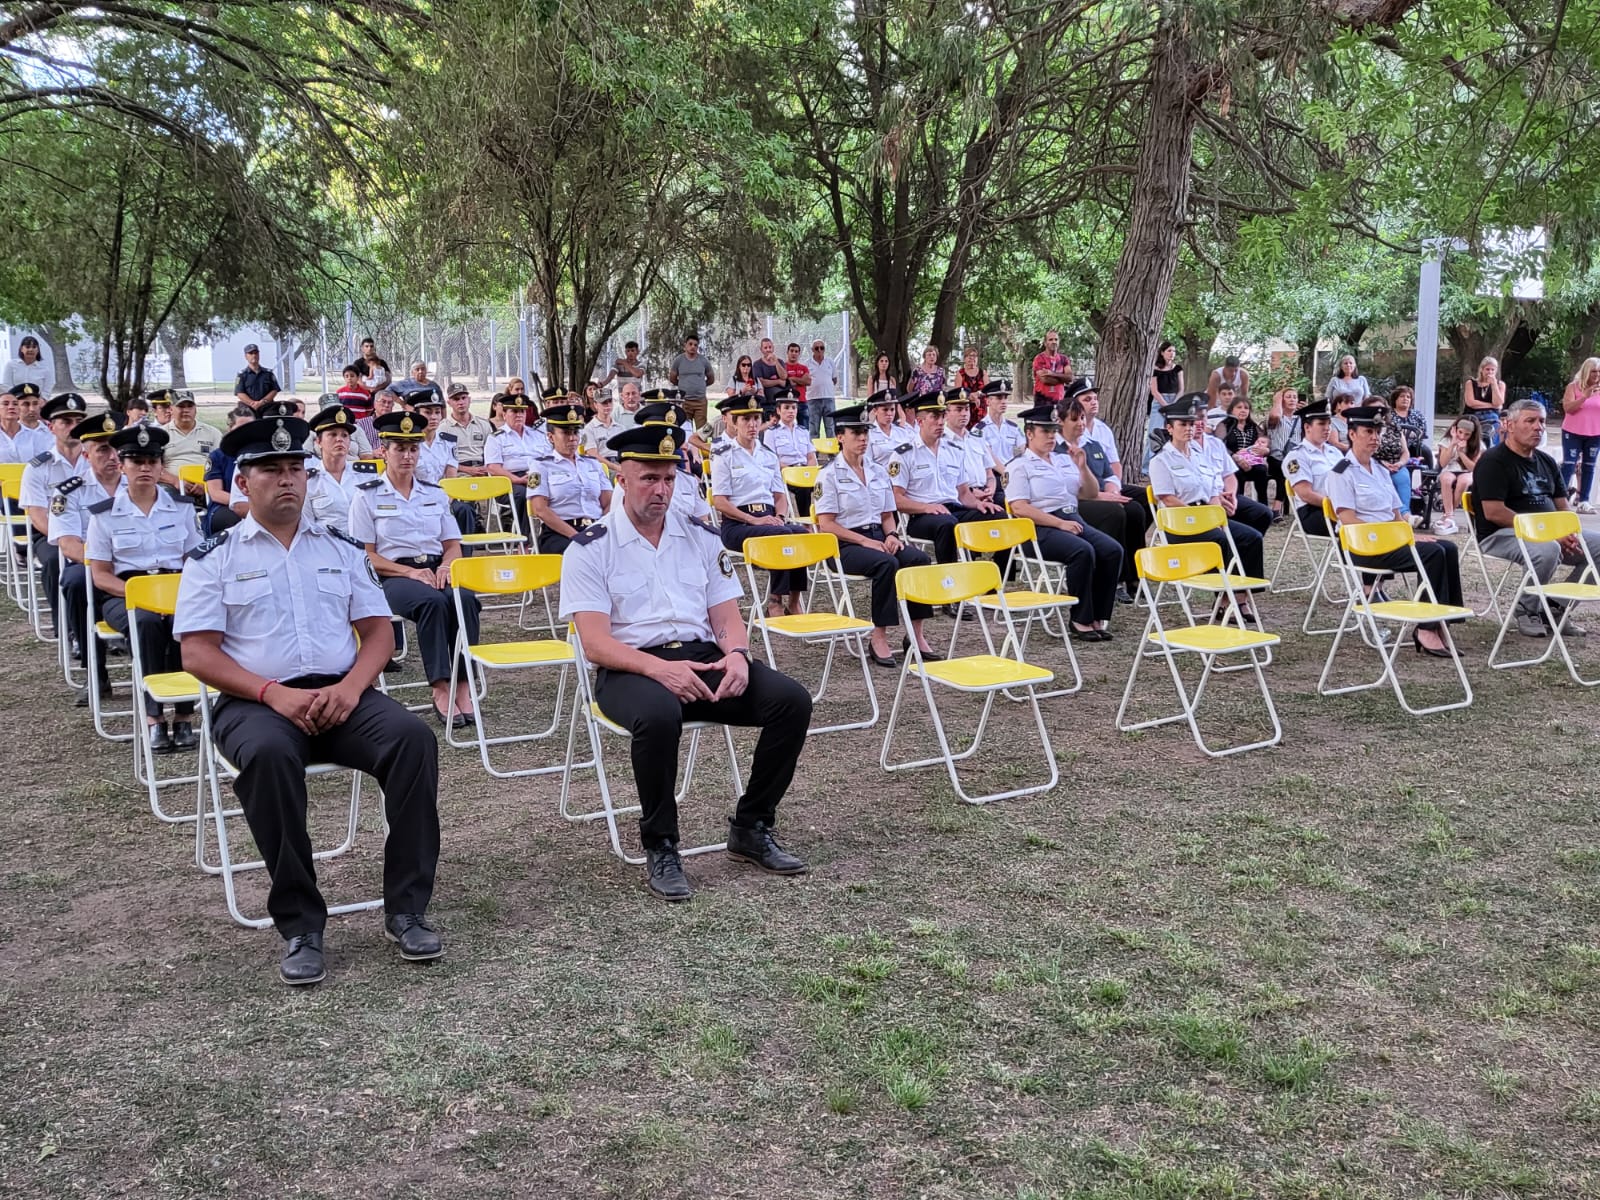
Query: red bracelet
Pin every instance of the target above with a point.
(261, 696)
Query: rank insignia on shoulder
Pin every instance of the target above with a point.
(312, 472)
(371, 483)
(447, 437)
(902, 448)
(592, 533)
(425, 483)
(345, 537)
(70, 484)
(102, 506)
(39, 460)
(1340, 467)
(207, 546)
(704, 523)
(364, 468)
(721, 447)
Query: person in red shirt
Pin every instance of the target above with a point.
(1052, 370)
(799, 379)
(352, 395)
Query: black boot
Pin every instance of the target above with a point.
(160, 739)
(664, 872)
(183, 737)
(758, 844)
(302, 960)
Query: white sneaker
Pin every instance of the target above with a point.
(1531, 626)
(1585, 508)
(1445, 525)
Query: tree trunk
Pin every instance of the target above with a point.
(1197, 344)
(1127, 350)
(56, 337)
(1580, 347)
(173, 342)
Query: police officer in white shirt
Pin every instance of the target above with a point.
(512, 452)
(63, 460)
(436, 459)
(1306, 467)
(883, 435)
(412, 539)
(16, 442)
(1362, 491)
(143, 531)
(1047, 483)
(332, 482)
(748, 492)
(1242, 510)
(37, 438)
(855, 503)
(791, 441)
(935, 483)
(568, 491)
(69, 530)
(1004, 438)
(1181, 474)
(270, 613)
(656, 605)
(980, 457)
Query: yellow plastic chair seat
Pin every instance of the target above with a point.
(1224, 583)
(491, 539)
(812, 624)
(1414, 610)
(522, 654)
(1024, 601)
(102, 629)
(1574, 592)
(983, 673)
(1213, 639)
(170, 687)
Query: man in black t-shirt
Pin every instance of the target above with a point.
(1518, 477)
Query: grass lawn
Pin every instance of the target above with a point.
(1363, 964)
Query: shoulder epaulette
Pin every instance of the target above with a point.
(207, 546)
(544, 458)
(721, 447)
(701, 523)
(902, 448)
(102, 506)
(365, 468)
(371, 483)
(310, 471)
(70, 484)
(345, 537)
(447, 437)
(39, 460)
(591, 533)
(1340, 467)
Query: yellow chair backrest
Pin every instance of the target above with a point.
(946, 583)
(1328, 515)
(1167, 564)
(990, 537)
(12, 472)
(194, 473)
(800, 477)
(1376, 537)
(789, 551)
(476, 487)
(506, 574)
(1150, 495)
(825, 445)
(154, 593)
(377, 464)
(1466, 503)
(1547, 527)
(1191, 519)
(10, 488)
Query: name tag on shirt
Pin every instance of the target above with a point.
(249, 575)
(388, 508)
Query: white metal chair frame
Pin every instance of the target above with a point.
(170, 687)
(1508, 567)
(1583, 590)
(1322, 551)
(98, 633)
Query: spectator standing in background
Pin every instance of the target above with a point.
(255, 385)
(627, 367)
(1485, 398)
(882, 379)
(1052, 370)
(372, 371)
(1347, 382)
(821, 393)
(929, 377)
(691, 374)
(1229, 374)
(1580, 432)
(798, 376)
(769, 373)
(29, 366)
(417, 385)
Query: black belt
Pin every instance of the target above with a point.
(875, 532)
(579, 522)
(1065, 514)
(431, 561)
(756, 510)
(127, 575)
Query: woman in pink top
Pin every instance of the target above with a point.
(1580, 430)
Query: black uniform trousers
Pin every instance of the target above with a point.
(1128, 523)
(880, 569)
(75, 595)
(654, 717)
(1249, 512)
(519, 508)
(466, 515)
(1441, 563)
(736, 533)
(1094, 566)
(940, 529)
(379, 738)
(1313, 521)
(433, 611)
(1252, 552)
(158, 649)
(551, 542)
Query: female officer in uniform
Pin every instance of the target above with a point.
(791, 441)
(882, 434)
(1362, 491)
(1181, 475)
(1046, 486)
(143, 531)
(1306, 467)
(748, 493)
(855, 503)
(331, 486)
(412, 539)
(513, 450)
(567, 491)
(1112, 512)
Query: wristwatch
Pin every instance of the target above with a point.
(744, 650)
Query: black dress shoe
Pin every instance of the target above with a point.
(183, 737)
(881, 660)
(461, 721)
(160, 739)
(418, 941)
(664, 872)
(1428, 650)
(927, 655)
(80, 698)
(302, 960)
(758, 844)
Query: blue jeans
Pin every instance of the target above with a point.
(1576, 448)
(1402, 486)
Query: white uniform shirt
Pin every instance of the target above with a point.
(1216, 452)
(1046, 481)
(282, 612)
(931, 476)
(979, 457)
(1193, 478)
(652, 594)
(435, 458)
(791, 443)
(1310, 464)
(516, 454)
(129, 540)
(881, 446)
(36, 441)
(17, 447)
(399, 527)
(595, 436)
(745, 477)
(44, 471)
(328, 498)
(855, 502)
(1369, 490)
(821, 385)
(1100, 432)
(1004, 439)
(572, 485)
(69, 505)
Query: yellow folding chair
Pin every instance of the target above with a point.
(1508, 567)
(1194, 520)
(484, 489)
(1533, 529)
(148, 597)
(1369, 617)
(825, 445)
(1041, 597)
(19, 543)
(511, 575)
(1175, 564)
(799, 477)
(835, 623)
(977, 674)
(102, 634)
